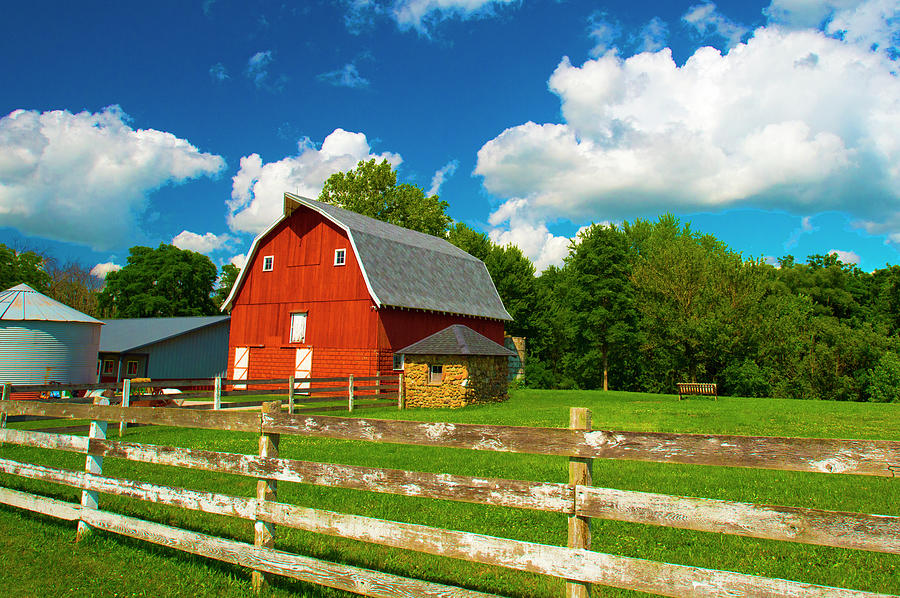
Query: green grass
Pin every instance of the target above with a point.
(31, 538)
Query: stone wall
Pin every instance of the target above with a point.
(466, 380)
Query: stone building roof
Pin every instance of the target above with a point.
(456, 340)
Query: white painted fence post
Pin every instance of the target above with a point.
(291, 394)
(93, 464)
(126, 402)
(350, 393)
(266, 491)
(579, 475)
(400, 398)
(217, 393)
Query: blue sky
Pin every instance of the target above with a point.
(774, 125)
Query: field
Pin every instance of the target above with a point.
(31, 545)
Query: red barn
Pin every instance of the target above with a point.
(327, 292)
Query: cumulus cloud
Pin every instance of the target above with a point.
(708, 21)
(442, 175)
(604, 31)
(652, 36)
(346, 76)
(764, 125)
(258, 188)
(239, 261)
(101, 270)
(529, 234)
(419, 15)
(91, 169)
(205, 243)
(848, 257)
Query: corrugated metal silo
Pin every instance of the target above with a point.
(42, 340)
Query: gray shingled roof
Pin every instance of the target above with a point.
(406, 268)
(129, 334)
(456, 340)
(22, 302)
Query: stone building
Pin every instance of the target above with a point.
(455, 367)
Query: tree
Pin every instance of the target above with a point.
(599, 296)
(162, 282)
(74, 285)
(226, 281)
(371, 189)
(17, 267)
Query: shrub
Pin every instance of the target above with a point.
(885, 379)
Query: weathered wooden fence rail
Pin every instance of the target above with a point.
(579, 499)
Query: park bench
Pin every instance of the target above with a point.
(707, 389)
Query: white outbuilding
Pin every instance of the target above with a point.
(44, 341)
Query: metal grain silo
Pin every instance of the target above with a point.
(42, 340)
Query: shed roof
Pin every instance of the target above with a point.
(130, 334)
(22, 302)
(456, 340)
(403, 267)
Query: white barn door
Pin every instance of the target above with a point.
(241, 365)
(303, 366)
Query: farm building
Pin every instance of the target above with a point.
(163, 348)
(327, 292)
(44, 341)
(455, 367)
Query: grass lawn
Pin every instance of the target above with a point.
(108, 565)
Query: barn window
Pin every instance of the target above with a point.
(109, 366)
(340, 257)
(435, 374)
(131, 368)
(268, 263)
(298, 327)
(398, 361)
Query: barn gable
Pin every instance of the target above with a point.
(402, 268)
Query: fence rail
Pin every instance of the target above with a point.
(579, 499)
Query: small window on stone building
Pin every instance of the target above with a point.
(131, 368)
(435, 374)
(398, 361)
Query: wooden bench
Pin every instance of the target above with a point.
(706, 389)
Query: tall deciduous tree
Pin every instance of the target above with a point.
(74, 285)
(371, 189)
(598, 295)
(226, 280)
(162, 282)
(17, 267)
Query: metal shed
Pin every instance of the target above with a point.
(43, 340)
(164, 348)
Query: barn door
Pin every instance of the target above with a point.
(241, 365)
(303, 366)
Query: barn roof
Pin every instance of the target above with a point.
(22, 302)
(130, 334)
(456, 340)
(405, 268)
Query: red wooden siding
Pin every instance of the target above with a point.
(347, 334)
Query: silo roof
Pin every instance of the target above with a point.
(22, 302)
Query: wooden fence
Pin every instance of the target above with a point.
(578, 499)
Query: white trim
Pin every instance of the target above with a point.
(342, 252)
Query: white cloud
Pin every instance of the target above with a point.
(346, 76)
(258, 72)
(707, 20)
(206, 243)
(763, 126)
(441, 175)
(848, 257)
(418, 14)
(652, 36)
(101, 270)
(538, 244)
(218, 72)
(90, 170)
(258, 189)
(604, 32)
(239, 260)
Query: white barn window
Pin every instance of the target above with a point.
(268, 263)
(340, 257)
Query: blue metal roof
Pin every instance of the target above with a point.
(22, 302)
(123, 336)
